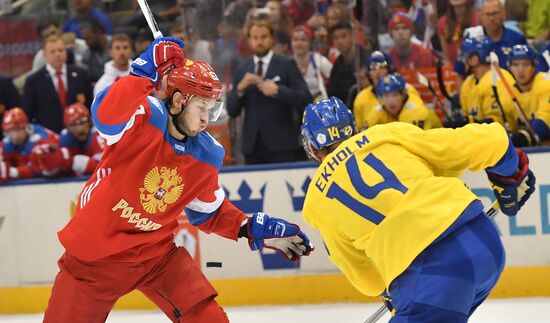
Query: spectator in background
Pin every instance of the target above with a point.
(460, 15)
(80, 146)
(238, 11)
(164, 11)
(537, 26)
(397, 105)
(55, 86)
(224, 53)
(271, 90)
(84, 10)
(49, 27)
(405, 54)
(279, 16)
(142, 41)
(492, 25)
(336, 14)
(516, 15)
(344, 71)
(315, 68)
(320, 44)
(120, 51)
(301, 10)
(195, 48)
(9, 98)
(98, 48)
(21, 138)
(282, 43)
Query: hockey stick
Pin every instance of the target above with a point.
(546, 56)
(494, 78)
(425, 82)
(150, 19)
(494, 66)
(455, 105)
(381, 311)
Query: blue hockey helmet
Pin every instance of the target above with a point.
(523, 52)
(379, 59)
(480, 45)
(390, 83)
(325, 123)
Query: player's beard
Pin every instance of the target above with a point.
(188, 128)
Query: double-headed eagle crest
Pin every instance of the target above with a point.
(160, 188)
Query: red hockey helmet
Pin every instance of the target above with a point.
(14, 118)
(196, 78)
(75, 113)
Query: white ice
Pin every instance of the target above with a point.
(527, 310)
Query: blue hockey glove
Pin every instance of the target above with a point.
(162, 55)
(506, 188)
(278, 234)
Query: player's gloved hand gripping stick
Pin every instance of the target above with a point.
(160, 57)
(278, 234)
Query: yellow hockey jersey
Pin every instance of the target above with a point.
(388, 192)
(478, 101)
(366, 101)
(536, 102)
(414, 111)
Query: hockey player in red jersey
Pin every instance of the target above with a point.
(21, 137)
(158, 160)
(79, 150)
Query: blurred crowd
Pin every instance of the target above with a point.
(433, 63)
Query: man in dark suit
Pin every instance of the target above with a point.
(272, 91)
(9, 97)
(49, 90)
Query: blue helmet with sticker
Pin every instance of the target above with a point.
(325, 123)
(390, 83)
(379, 59)
(523, 52)
(480, 45)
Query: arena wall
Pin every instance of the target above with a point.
(31, 213)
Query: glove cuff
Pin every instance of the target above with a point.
(256, 225)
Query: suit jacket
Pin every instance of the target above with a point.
(41, 101)
(9, 97)
(273, 120)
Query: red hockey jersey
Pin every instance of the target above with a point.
(18, 156)
(128, 208)
(85, 155)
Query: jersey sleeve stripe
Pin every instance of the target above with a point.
(208, 207)
(198, 218)
(113, 137)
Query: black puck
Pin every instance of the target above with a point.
(214, 264)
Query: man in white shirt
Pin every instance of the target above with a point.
(120, 51)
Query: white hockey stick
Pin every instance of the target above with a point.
(150, 19)
(380, 312)
(546, 55)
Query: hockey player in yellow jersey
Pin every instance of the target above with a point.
(532, 90)
(378, 65)
(477, 99)
(397, 220)
(397, 105)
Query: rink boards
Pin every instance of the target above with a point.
(32, 212)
